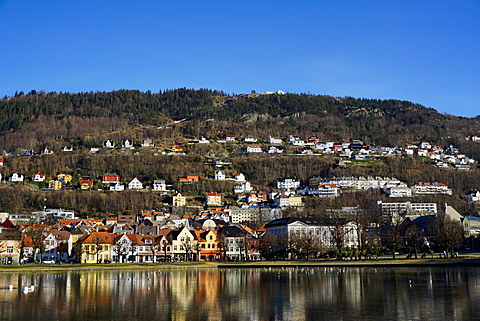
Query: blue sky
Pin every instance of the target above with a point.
(427, 52)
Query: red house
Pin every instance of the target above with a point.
(110, 178)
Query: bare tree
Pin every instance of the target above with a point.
(305, 244)
(394, 238)
(415, 238)
(451, 234)
(38, 235)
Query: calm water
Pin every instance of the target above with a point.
(244, 294)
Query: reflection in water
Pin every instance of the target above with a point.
(244, 294)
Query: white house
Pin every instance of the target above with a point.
(251, 139)
(275, 140)
(117, 187)
(109, 144)
(219, 175)
(322, 190)
(288, 183)
(47, 151)
(239, 178)
(229, 138)
(135, 184)
(203, 140)
(159, 185)
(275, 150)
(242, 188)
(431, 188)
(38, 177)
(127, 144)
(254, 148)
(16, 178)
(322, 230)
(424, 144)
(473, 196)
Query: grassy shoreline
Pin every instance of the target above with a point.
(470, 259)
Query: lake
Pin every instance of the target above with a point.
(244, 294)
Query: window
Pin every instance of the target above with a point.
(9, 249)
(174, 247)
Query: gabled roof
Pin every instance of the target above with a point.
(232, 231)
(98, 237)
(7, 224)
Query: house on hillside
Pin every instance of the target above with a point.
(127, 144)
(179, 200)
(147, 143)
(109, 144)
(254, 148)
(16, 178)
(110, 178)
(116, 187)
(159, 185)
(38, 177)
(135, 184)
(47, 151)
(214, 199)
(190, 179)
(473, 196)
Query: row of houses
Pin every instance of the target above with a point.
(332, 187)
(148, 237)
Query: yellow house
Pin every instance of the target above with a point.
(95, 248)
(10, 245)
(295, 200)
(55, 185)
(147, 143)
(64, 178)
(179, 200)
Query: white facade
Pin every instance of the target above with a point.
(323, 190)
(219, 175)
(159, 185)
(242, 188)
(309, 226)
(288, 183)
(117, 187)
(275, 140)
(254, 149)
(401, 190)
(16, 178)
(431, 188)
(135, 184)
(473, 196)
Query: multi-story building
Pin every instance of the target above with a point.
(214, 199)
(323, 230)
(288, 183)
(431, 188)
(179, 200)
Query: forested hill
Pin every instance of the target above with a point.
(35, 119)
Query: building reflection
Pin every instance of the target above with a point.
(243, 294)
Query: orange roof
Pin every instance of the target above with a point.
(101, 237)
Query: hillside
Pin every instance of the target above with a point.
(37, 119)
